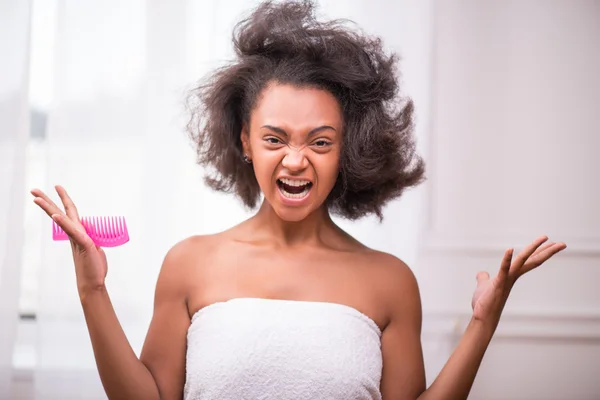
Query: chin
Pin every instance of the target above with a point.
(291, 215)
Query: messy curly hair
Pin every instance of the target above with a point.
(285, 43)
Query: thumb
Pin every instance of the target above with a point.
(102, 253)
(77, 235)
(482, 277)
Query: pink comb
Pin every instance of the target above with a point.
(104, 231)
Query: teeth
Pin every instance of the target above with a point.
(294, 182)
(295, 195)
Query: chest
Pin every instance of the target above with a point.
(322, 276)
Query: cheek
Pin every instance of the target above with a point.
(265, 166)
(328, 170)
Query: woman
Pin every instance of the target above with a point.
(286, 305)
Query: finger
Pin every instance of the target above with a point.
(70, 208)
(527, 252)
(75, 233)
(482, 277)
(538, 259)
(543, 247)
(505, 264)
(42, 200)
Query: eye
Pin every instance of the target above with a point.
(322, 143)
(272, 140)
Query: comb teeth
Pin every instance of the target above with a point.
(104, 231)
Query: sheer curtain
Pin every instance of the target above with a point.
(14, 126)
(116, 142)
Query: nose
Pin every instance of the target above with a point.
(294, 160)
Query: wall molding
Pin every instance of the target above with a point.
(434, 242)
(563, 326)
(568, 327)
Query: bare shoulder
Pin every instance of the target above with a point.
(397, 284)
(187, 250)
(391, 281)
(393, 268)
(184, 260)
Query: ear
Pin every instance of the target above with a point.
(245, 138)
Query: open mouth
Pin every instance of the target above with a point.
(294, 189)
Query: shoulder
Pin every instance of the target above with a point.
(188, 249)
(397, 285)
(184, 260)
(196, 252)
(391, 269)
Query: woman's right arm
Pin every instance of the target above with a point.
(159, 374)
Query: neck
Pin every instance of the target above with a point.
(310, 230)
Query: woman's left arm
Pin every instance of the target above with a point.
(457, 377)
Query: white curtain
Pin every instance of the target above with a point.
(116, 142)
(14, 126)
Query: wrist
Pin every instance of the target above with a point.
(88, 293)
(486, 328)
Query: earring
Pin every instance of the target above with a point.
(247, 160)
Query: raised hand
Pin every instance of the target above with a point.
(90, 260)
(491, 294)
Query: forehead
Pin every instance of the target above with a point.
(297, 108)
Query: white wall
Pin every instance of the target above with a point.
(513, 141)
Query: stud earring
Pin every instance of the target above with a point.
(247, 160)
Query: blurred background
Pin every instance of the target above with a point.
(92, 97)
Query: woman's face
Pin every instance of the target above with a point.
(294, 142)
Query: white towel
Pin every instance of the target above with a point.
(266, 349)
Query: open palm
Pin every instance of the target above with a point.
(89, 259)
(491, 294)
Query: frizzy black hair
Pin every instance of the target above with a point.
(284, 42)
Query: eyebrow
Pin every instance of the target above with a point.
(312, 131)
